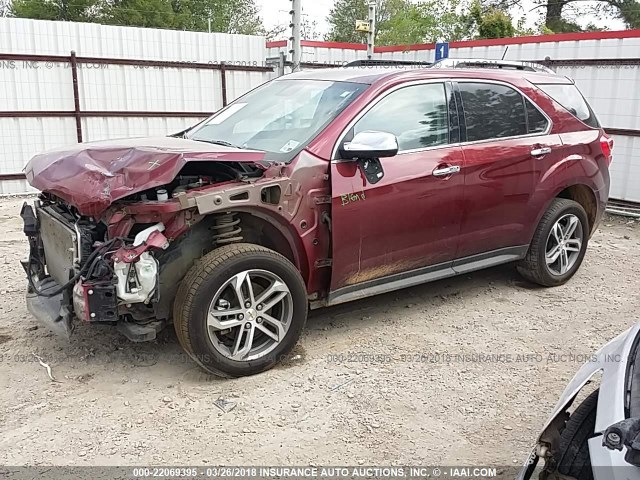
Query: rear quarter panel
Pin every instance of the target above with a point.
(578, 160)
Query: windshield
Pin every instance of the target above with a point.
(280, 117)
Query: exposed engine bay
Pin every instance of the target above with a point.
(121, 278)
(195, 176)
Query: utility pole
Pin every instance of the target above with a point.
(296, 44)
(371, 36)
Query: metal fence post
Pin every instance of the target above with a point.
(371, 36)
(296, 43)
(76, 95)
(223, 79)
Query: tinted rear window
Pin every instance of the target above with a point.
(492, 111)
(570, 98)
(536, 121)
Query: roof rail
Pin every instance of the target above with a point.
(491, 63)
(386, 63)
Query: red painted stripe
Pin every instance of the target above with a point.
(277, 44)
(342, 45)
(558, 37)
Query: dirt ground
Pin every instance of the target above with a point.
(376, 382)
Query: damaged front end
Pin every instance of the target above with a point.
(116, 256)
(74, 268)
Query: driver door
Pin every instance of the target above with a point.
(396, 229)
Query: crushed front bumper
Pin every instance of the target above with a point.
(54, 312)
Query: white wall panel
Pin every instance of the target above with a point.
(34, 86)
(625, 168)
(16, 187)
(48, 85)
(22, 138)
(105, 128)
(92, 40)
(121, 87)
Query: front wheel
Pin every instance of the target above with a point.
(573, 460)
(558, 246)
(240, 309)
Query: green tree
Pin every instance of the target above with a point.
(308, 30)
(496, 24)
(399, 22)
(67, 10)
(490, 23)
(561, 16)
(143, 13)
(5, 8)
(342, 18)
(228, 16)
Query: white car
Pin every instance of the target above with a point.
(600, 439)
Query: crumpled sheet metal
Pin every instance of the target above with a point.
(91, 176)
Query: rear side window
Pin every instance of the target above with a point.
(570, 98)
(492, 111)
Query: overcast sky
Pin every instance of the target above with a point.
(276, 12)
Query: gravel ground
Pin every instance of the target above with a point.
(379, 381)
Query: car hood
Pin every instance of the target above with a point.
(91, 176)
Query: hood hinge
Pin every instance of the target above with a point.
(323, 262)
(322, 199)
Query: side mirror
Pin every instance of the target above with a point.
(368, 148)
(369, 144)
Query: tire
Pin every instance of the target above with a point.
(212, 347)
(534, 267)
(634, 397)
(573, 458)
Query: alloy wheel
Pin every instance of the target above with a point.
(564, 244)
(250, 315)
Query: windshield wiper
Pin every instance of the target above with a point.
(224, 143)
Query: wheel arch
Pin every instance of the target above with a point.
(256, 227)
(270, 232)
(586, 197)
(578, 192)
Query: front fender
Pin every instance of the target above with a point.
(612, 360)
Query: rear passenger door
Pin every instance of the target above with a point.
(507, 148)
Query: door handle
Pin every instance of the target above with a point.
(539, 152)
(446, 171)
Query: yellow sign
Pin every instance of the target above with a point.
(363, 26)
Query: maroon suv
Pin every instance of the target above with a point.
(315, 189)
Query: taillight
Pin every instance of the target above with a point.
(606, 143)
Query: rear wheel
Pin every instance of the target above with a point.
(240, 309)
(558, 246)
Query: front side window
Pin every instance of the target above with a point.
(416, 115)
(280, 117)
(492, 111)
